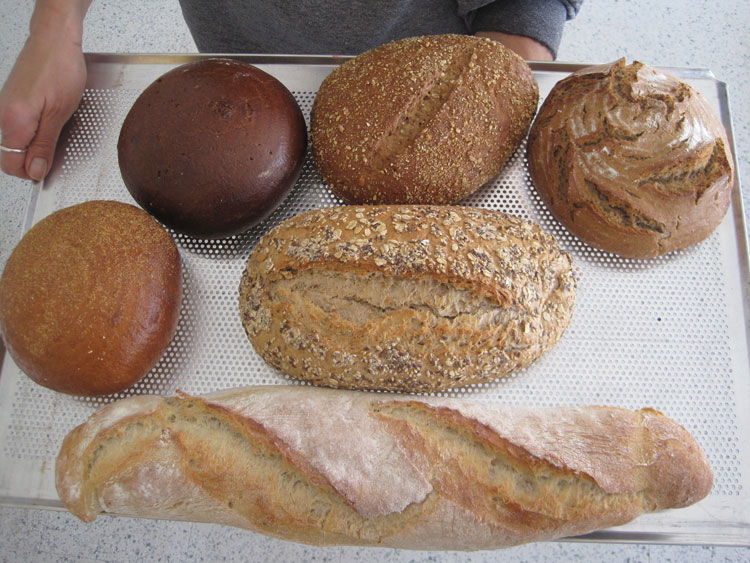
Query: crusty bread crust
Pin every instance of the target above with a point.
(421, 120)
(405, 298)
(631, 160)
(90, 298)
(329, 467)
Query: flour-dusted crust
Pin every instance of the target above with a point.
(631, 160)
(421, 120)
(405, 298)
(328, 467)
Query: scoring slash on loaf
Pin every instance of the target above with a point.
(422, 120)
(631, 160)
(405, 298)
(331, 467)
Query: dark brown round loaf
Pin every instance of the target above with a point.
(212, 147)
(421, 120)
(631, 160)
(90, 298)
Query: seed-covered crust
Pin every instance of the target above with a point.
(421, 120)
(407, 298)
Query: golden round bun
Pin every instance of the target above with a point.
(631, 160)
(212, 147)
(90, 297)
(421, 120)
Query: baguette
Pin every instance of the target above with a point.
(405, 298)
(331, 467)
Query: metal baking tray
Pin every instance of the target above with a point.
(669, 333)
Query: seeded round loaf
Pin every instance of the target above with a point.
(421, 120)
(631, 160)
(90, 297)
(405, 298)
(212, 147)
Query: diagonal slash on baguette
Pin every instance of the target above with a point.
(332, 467)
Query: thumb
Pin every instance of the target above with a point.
(41, 151)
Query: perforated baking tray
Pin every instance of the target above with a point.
(670, 333)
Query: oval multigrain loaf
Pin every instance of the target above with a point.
(421, 120)
(631, 160)
(405, 298)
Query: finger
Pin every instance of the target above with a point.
(41, 151)
(14, 164)
(17, 129)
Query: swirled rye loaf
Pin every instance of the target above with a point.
(405, 298)
(631, 160)
(327, 466)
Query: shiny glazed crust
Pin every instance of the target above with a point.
(421, 120)
(405, 298)
(90, 298)
(332, 467)
(631, 160)
(212, 147)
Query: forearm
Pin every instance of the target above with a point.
(43, 88)
(526, 47)
(523, 21)
(56, 18)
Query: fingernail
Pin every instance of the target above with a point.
(37, 168)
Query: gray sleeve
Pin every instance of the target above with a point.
(541, 20)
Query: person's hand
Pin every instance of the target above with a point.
(42, 91)
(528, 48)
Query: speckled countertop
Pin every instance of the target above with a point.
(695, 34)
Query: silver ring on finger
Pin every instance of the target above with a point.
(8, 149)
